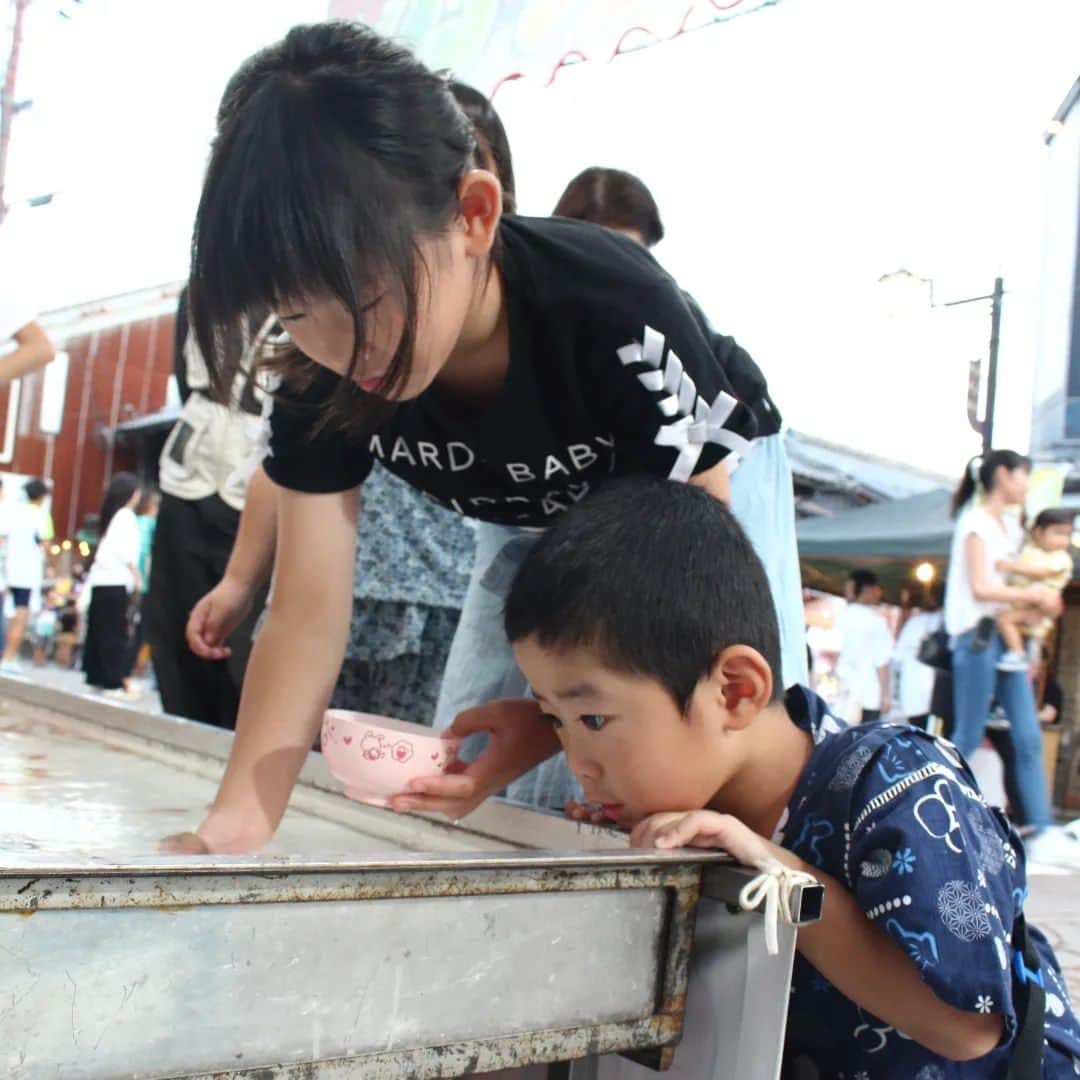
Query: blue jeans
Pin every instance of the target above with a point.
(976, 684)
(481, 664)
(763, 502)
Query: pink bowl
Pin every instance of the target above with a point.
(376, 756)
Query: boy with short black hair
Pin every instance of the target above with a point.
(644, 624)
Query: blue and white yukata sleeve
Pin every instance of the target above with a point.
(937, 871)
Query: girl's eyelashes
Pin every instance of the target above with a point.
(553, 720)
(290, 318)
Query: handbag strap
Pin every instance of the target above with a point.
(1029, 1000)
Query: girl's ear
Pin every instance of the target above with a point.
(480, 197)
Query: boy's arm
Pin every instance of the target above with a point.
(845, 946)
(872, 970)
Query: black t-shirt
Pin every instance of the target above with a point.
(610, 373)
(747, 379)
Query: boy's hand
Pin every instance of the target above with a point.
(704, 829)
(519, 738)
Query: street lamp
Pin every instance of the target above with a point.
(925, 573)
(985, 426)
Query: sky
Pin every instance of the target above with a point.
(797, 155)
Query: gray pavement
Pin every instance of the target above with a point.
(71, 682)
(1054, 907)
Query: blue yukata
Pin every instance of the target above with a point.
(896, 816)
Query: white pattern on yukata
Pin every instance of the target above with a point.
(940, 872)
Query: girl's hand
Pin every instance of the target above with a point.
(703, 829)
(215, 617)
(219, 834)
(519, 738)
(185, 843)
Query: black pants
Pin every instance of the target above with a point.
(192, 543)
(138, 631)
(105, 652)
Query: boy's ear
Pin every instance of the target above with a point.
(743, 684)
(480, 196)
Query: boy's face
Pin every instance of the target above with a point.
(624, 737)
(1054, 537)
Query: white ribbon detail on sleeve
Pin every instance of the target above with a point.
(691, 421)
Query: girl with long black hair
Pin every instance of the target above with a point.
(113, 580)
(505, 366)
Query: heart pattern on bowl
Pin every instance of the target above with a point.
(378, 757)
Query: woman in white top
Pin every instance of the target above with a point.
(113, 579)
(988, 531)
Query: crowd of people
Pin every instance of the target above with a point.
(76, 612)
(967, 653)
(501, 475)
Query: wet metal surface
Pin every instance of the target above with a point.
(62, 793)
(370, 945)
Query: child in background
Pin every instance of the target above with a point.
(666, 700)
(43, 634)
(67, 637)
(1044, 560)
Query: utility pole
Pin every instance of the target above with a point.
(985, 426)
(7, 95)
(992, 366)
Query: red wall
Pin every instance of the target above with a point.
(114, 375)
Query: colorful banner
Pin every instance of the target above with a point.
(486, 42)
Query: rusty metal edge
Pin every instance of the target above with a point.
(473, 1056)
(181, 866)
(25, 897)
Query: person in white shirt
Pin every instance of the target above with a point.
(28, 532)
(863, 668)
(19, 326)
(988, 534)
(5, 527)
(915, 680)
(112, 581)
